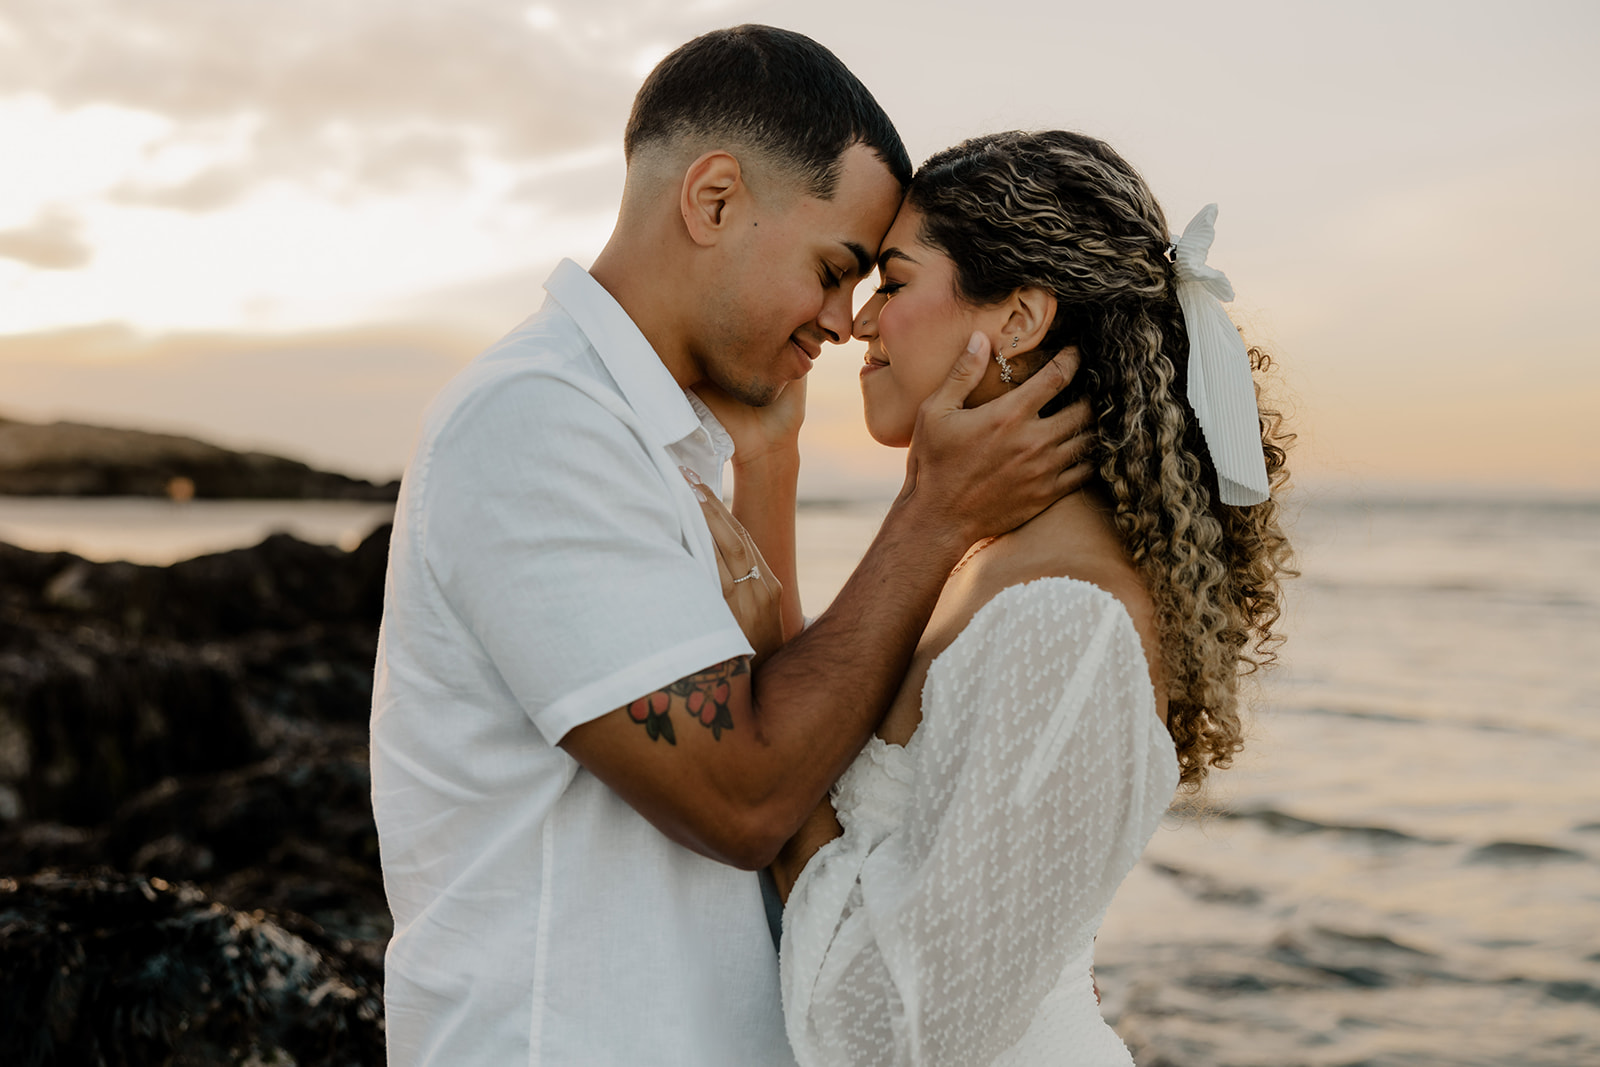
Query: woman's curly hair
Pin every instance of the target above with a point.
(1063, 212)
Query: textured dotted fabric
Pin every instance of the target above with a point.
(953, 922)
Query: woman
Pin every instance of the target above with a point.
(1076, 670)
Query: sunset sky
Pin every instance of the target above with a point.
(283, 225)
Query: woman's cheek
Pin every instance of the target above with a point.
(889, 322)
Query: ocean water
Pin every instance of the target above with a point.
(160, 531)
(1403, 868)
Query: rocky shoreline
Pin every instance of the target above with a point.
(188, 862)
(73, 459)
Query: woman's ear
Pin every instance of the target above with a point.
(1032, 311)
(710, 184)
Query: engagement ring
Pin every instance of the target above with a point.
(755, 572)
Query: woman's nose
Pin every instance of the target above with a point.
(866, 325)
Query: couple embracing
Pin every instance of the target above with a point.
(607, 746)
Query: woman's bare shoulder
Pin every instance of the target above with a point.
(1111, 577)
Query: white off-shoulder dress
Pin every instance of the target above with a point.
(953, 922)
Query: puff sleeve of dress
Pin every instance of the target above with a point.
(977, 862)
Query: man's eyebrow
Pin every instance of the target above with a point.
(863, 257)
(892, 253)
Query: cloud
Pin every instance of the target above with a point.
(206, 190)
(344, 95)
(50, 242)
(344, 399)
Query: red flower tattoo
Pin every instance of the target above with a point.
(652, 712)
(705, 695)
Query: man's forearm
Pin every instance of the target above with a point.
(817, 700)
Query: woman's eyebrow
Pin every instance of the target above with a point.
(892, 253)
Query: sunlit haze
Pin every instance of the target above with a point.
(285, 226)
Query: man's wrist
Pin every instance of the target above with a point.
(940, 533)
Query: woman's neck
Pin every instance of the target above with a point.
(1079, 528)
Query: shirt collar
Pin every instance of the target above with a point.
(721, 443)
(660, 402)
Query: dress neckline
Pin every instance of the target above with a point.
(972, 625)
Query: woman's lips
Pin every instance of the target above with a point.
(871, 364)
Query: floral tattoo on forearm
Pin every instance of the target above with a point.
(704, 695)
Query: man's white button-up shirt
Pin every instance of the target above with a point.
(549, 565)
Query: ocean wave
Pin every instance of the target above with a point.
(1281, 822)
(1205, 887)
(1448, 717)
(1581, 506)
(1357, 713)
(1516, 853)
(1508, 593)
(1573, 992)
(1377, 942)
(1363, 960)
(1319, 993)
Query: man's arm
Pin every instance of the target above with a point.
(746, 758)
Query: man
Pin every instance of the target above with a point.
(574, 768)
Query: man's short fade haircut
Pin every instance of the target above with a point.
(775, 91)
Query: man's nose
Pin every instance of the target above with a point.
(835, 317)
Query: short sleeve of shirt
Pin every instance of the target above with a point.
(557, 540)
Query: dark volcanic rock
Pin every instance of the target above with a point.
(201, 723)
(285, 835)
(114, 677)
(87, 721)
(71, 459)
(280, 584)
(112, 969)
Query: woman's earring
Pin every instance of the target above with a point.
(1005, 364)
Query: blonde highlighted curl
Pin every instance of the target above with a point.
(1063, 212)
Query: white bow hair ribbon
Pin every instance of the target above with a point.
(1221, 391)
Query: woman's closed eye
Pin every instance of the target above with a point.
(888, 288)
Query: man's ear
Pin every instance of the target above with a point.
(710, 184)
(1032, 311)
